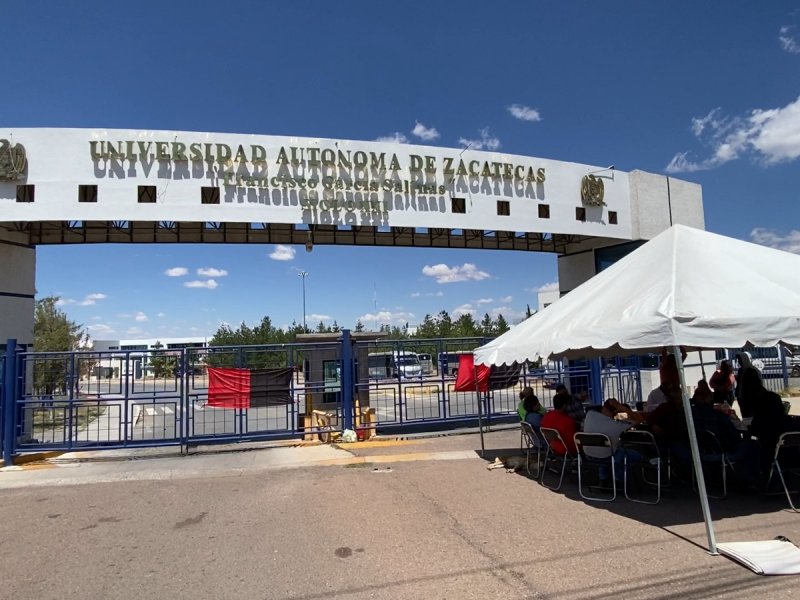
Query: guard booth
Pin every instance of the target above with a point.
(321, 406)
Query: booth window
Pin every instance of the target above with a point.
(612, 217)
(503, 208)
(147, 194)
(580, 214)
(87, 193)
(209, 195)
(544, 211)
(25, 193)
(459, 206)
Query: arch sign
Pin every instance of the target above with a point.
(127, 176)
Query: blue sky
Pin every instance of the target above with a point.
(708, 92)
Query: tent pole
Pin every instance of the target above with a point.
(698, 467)
(480, 409)
(702, 366)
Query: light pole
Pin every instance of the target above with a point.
(304, 274)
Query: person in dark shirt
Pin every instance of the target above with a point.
(769, 423)
(744, 454)
(748, 385)
(574, 409)
(667, 419)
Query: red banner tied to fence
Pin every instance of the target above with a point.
(465, 382)
(246, 388)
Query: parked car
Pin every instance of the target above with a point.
(549, 376)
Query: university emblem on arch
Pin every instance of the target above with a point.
(12, 161)
(592, 191)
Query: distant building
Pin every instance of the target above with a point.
(547, 298)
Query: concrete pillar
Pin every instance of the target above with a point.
(657, 203)
(17, 288)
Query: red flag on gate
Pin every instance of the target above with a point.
(465, 382)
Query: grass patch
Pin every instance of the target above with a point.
(364, 465)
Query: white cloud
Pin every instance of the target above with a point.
(161, 315)
(393, 138)
(316, 317)
(89, 300)
(209, 285)
(464, 309)
(425, 133)
(386, 317)
(487, 141)
(788, 42)
(772, 136)
(508, 299)
(141, 317)
(134, 331)
(124, 315)
(429, 294)
(100, 329)
(484, 301)
(97, 318)
(767, 237)
(547, 287)
(176, 272)
(416, 295)
(524, 113)
(212, 272)
(445, 274)
(282, 252)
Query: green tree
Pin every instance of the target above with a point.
(465, 326)
(444, 325)
(528, 312)
(487, 325)
(163, 364)
(335, 327)
(322, 329)
(359, 326)
(54, 332)
(501, 325)
(428, 329)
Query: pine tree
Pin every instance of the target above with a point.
(54, 332)
(359, 326)
(444, 325)
(487, 326)
(501, 326)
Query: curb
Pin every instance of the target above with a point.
(24, 459)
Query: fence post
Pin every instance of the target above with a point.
(596, 380)
(784, 369)
(347, 379)
(9, 402)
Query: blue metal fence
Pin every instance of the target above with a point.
(160, 397)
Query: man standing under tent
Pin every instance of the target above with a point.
(748, 385)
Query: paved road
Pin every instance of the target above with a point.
(424, 530)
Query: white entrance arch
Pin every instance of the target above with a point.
(79, 186)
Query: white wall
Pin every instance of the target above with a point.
(548, 298)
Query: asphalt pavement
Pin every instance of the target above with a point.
(417, 530)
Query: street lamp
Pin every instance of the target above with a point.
(304, 274)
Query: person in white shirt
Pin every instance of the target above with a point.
(603, 421)
(659, 396)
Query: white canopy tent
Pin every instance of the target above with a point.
(685, 288)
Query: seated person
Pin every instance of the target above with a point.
(667, 420)
(743, 453)
(657, 397)
(768, 424)
(575, 409)
(526, 406)
(565, 425)
(603, 421)
(703, 393)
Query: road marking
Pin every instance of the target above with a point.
(151, 412)
(168, 411)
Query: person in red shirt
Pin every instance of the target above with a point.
(722, 382)
(559, 420)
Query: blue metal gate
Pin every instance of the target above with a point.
(160, 397)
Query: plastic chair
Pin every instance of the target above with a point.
(552, 436)
(534, 443)
(595, 440)
(787, 440)
(645, 444)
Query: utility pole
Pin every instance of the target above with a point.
(304, 274)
